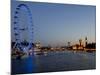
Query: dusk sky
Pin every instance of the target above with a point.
(56, 24)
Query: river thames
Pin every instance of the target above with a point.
(55, 61)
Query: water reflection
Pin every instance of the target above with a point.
(26, 65)
(55, 61)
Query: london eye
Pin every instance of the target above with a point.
(23, 28)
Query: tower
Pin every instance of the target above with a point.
(80, 42)
(68, 44)
(85, 41)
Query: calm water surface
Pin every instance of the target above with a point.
(55, 61)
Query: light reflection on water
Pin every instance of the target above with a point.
(55, 61)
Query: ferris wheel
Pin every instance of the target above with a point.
(23, 28)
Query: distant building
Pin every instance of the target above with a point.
(78, 47)
(74, 47)
(38, 45)
(91, 46)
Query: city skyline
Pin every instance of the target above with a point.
(57, 24)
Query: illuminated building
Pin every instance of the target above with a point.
(78, 46)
